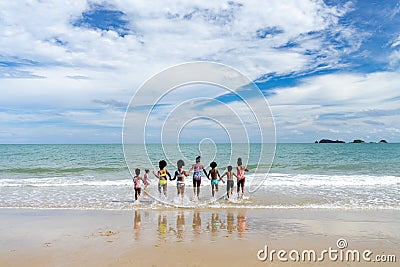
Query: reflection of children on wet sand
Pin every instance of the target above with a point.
(196, 223)
(180, 225)
(230, 222)
(241, 223)
(162, 225)
(136, 220)
(136, 223)
(215, 222)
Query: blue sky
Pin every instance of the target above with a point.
(329, 69)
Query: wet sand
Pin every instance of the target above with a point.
(187, 237)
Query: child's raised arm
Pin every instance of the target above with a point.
(156, 174)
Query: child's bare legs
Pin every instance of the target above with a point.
(214, 188)
(196, 187)
(159, 189)
(165, 190)
(240, 184)
(183, 191)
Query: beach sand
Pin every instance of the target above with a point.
(187, 237)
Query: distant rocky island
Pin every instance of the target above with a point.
(355, 141)
(328, 141)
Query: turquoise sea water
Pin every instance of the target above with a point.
(363, 176)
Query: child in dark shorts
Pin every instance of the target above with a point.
(198, 169)
(229, 183)
(240, 170)
(136, 184)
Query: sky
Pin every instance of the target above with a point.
(328, 69)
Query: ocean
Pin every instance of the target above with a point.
(326, 176)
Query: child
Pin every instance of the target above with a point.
(180, 176)
(198, 169)
(162, 176)
(240, 176)
(146, 180)
(230, 183)
(214, 175)
(136, 184)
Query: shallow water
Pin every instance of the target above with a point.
(352, 176)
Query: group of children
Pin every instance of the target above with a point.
(198, 170)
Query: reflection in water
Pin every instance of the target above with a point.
(196, 222)
(162, 226)
(137, 220)
(230, 221)
(217, 224)
(241, 222)
(180, 225)
(136, 224)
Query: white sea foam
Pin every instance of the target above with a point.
(62, 182)
(279, 191)
(271, 179)
(315, 180)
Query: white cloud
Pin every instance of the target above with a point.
(338, 105)
(396, 42)
(218, 31)
(81, 65)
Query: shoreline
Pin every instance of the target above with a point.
(186, 237)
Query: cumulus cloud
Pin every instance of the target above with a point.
(354, 105)
(84, 60)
